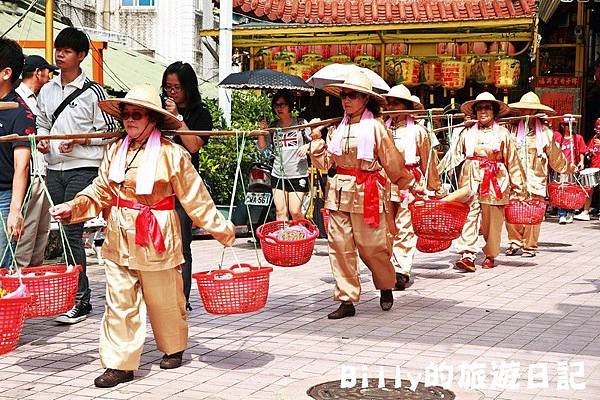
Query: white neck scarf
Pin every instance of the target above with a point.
(146, 172)
(408, 139)
(541, 141)
(366, 136)
(471, 138)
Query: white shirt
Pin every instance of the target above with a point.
(82, 115)
(31, 100)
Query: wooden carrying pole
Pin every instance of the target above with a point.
(257, 132)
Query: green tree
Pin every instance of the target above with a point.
(219, 157)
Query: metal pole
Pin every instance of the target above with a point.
(225, 51)
(49, 30)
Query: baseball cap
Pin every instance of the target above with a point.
(38, 62)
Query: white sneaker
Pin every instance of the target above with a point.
(582, 216)
(569, 218)
(562, 220)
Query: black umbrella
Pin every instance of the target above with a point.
(264, 79)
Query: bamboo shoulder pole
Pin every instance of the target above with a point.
(8, 105)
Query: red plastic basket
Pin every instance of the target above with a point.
(528, 212)
(438, 220)
(432, 246)
(51, 294)
(325, 214)
(225, 291)
(12, 314)
(569, 196)
(287, 253)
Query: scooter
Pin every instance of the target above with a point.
(259, 196)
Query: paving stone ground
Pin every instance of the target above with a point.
(543, 310)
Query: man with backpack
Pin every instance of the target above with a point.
(69, 104)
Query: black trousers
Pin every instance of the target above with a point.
(63, 186)
(186, 244)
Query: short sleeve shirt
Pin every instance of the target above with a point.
(196, 119)
(20, 121)
(571, 152)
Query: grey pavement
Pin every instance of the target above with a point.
(527, 313)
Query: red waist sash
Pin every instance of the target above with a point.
(415, 169)
(371, 197)
(491, 170)
(146, 224)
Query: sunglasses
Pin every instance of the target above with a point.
(136, 115)
(350, 95)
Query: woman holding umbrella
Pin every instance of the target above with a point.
(290, 166)
(359, 148)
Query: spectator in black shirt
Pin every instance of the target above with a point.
(182, 99)
(14, 156)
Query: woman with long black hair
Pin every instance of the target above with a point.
(183, 100)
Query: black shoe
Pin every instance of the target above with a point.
(171, 361)
(188, 307)
(343, 311)
(401, 281)
(78, 313)
(112, 377)
(387, 299)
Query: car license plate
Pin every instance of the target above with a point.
(258, 199)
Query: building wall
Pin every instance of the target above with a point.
(167, 31)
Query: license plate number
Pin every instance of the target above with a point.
(258, 199)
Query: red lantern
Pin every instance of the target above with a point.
(505, 47)
(453, 76)
(479, 48)
(407, 71)
(506, 74)
(432, 72)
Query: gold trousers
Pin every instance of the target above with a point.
(349, 233)
(484, 219)
(130, 294)
(404, 241)
(524, 236)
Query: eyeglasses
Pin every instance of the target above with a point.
(173, 89)
(484, 107)
(280, 105)
(350, 95)
(136, 115)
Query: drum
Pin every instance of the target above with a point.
(590, 177)
(562, 178)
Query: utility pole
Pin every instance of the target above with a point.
(106, 15)
(225, 50)
(49, 39)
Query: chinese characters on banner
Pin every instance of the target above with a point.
(562, 93)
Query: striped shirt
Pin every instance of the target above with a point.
(82, 115)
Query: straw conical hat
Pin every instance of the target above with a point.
(357, 81)
(401, 92)
(468, 107)
(531, 101)
(146, 96)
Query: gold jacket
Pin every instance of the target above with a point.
(536, 168)
(510, 175)
(176, 175)
(424, 155)
(344, 193)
